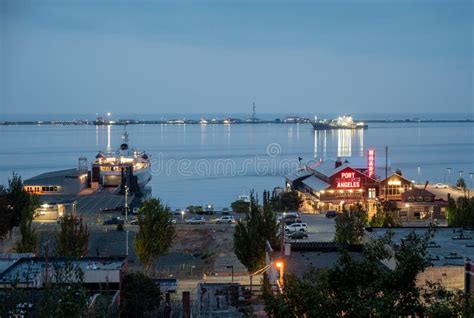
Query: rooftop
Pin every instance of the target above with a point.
(24, 269)
(52, 176)
(298, 174)
(449, 246)
(315, 183)
(418, 192)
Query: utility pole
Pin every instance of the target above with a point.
(126, 205)
(282, 238)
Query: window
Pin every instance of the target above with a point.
(411, 198)
(428, 199)
(419, 198)
(372, 193)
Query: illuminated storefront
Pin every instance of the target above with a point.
(334, 185)
(393, 187)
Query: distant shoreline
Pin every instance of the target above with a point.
(229, 121)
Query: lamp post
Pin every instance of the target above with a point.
(126, 204)
(449, 175)
(182, 215)
(231, 267)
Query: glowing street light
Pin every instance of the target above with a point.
(280, 265)
(182, 215)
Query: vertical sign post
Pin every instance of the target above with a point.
(371, 162)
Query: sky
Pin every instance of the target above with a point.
(143, 57)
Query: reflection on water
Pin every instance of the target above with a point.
(346, 140)
(109, 147)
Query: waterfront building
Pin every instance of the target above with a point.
(333, 185)
(421, 204)
(70, 181)
(392, 187)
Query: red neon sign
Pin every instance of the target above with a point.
(348, 180)
(371, 162)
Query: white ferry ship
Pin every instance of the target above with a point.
(123, 167)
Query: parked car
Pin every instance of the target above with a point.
(112, 221)
(332, 214)
(296, 227)
(196, 220)
(225, 220)
(134, 222)
(298, 235)
(292, 220)
(440, 186)
(289, 215)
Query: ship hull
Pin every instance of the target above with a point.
(326, 126)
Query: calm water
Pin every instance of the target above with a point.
(195, 164)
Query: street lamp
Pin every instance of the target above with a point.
(182, 215)
(232, 267)
(449, 175)
(280, 265)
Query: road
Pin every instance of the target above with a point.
(443, 193)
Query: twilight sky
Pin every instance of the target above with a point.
(382, 56)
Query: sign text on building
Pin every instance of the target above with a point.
(348, 180)
(371, 162)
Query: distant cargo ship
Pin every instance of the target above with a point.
(342, 122)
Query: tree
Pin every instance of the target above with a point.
(139, 295)
(362, 287)
(384, 217)
(251, 235)
(64, 294)
(15, 204)
(286, 201)
(73, 239)
(156, 232)
(349, 228)
(240, 206)
(461, 212)
(29, 240)
(461, 183)
(197, 209)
